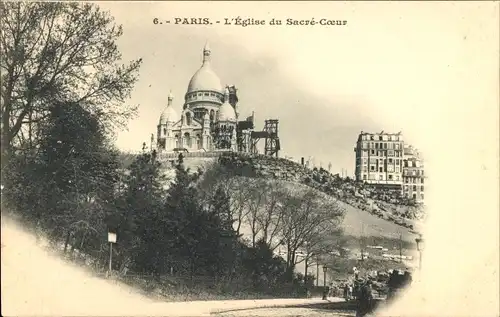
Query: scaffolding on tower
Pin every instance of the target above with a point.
(270, 135)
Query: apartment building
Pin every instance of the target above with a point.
(413, 174)
(379, 158)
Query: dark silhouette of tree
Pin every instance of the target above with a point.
(68, 183)
(55, 52)
(141, 214)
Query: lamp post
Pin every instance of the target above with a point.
(325, 268)
(420, 248)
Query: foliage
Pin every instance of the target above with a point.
(63, 90)
(67, 182)
(59, 52)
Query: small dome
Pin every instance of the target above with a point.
(205, 78)
(226, 111)
(169, 114)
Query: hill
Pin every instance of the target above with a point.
(369, 212)
(382, 204)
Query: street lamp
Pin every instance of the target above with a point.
(420, 248)
(325, 268)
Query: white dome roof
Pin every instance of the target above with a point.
(169, 114)
(226, 111)
(205, 78)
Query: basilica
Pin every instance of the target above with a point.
(207, 120)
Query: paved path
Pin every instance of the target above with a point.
(312, 309)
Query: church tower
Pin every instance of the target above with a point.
(225, 128)
(165, 137)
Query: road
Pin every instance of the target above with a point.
(333, 308)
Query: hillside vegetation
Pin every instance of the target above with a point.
(385, 205)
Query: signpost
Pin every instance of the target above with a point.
(111, 240)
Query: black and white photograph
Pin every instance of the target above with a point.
(271, 158)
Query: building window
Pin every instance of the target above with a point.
(414, 196)
(187, 139)
(390, 177)
(397, 169)
(414, 188)
(373, 152)
(364, 176)
(380, 138)
(422, 196)
(365, 169)
(372, 168)
(380, 170)
(421, 188)
(164, 131)
(385, 145)
(422, 180)
(390, 161)
(381, 177)
(177, 141)
(397, 177)
(198, 141)
(397, 162)
(188, 118)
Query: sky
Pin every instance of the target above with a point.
(392, 67)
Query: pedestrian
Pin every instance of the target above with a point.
(365, 300)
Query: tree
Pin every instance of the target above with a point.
(59, 52)
(195, 231)
(140, 219)
(66, 185)
(220, 178)
(309, 217)
(264, 267)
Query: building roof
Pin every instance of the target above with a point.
(169, 114)
(205, 79)
(226, 111)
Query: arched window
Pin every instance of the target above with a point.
(165, 131)
(198, 141)
(188, 118)
(187, 140)
(212, 114)
(177, 141)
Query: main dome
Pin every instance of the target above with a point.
(205, 78)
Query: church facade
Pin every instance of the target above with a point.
(207, 120)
